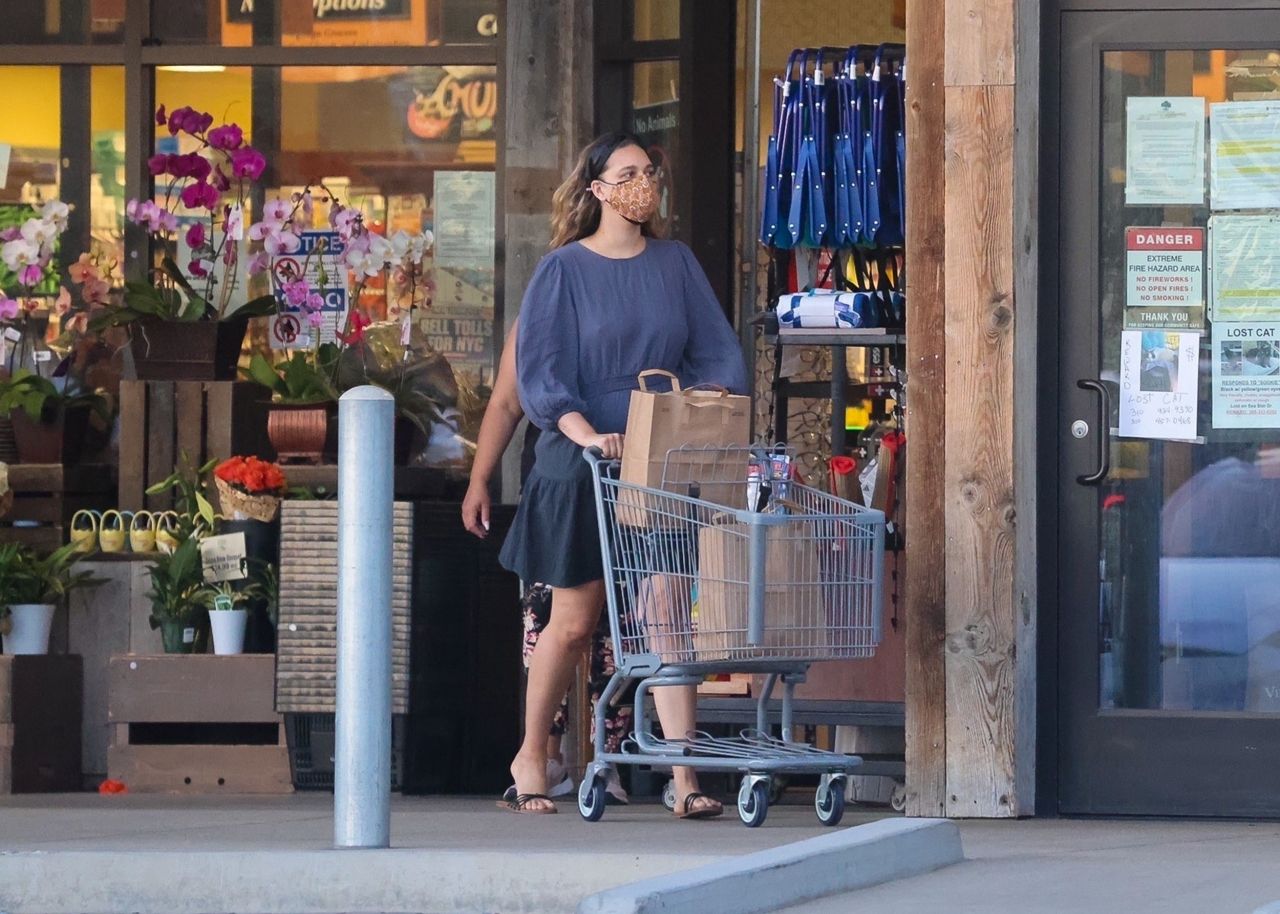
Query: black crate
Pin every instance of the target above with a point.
(311, 739)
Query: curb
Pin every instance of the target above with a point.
(851, 859)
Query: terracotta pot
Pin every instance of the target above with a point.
(57, 438)
(298, 433)
(187, 350)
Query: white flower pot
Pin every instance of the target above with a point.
(31, 625)
(228, 630)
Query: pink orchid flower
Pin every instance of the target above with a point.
(8, 308)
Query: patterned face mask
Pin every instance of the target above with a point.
(635, 199)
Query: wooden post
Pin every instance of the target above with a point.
(990, 719)
(925, 590)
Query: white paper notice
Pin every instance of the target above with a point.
(1244, 166)
(464, 214)
(1246, 376)
(1244, 254)
(1164, 151)
(5, 151)
(1159, 379)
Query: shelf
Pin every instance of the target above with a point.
(410, 482)
(768, 324)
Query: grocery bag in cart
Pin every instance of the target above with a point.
(674, 425)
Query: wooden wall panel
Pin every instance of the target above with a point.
(979, 42)
(924, 578)
(981, 694)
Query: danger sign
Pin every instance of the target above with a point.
(1164, 278)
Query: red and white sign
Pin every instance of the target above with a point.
(1164, 267)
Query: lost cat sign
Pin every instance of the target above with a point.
(1164, 278)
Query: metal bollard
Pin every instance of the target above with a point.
(362, 765)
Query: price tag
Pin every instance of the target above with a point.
(223, 603)
(188, 636)
(12, 333)
(42, 355)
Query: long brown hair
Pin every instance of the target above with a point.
(575, 211)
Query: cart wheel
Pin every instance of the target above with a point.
(753, 802)
(669, 795)
(898, 799)
(828, 802)
(591, 799)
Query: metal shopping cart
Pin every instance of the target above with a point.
(731, 566)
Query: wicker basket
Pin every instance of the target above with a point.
(254, 507)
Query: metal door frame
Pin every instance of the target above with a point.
(1075, 778)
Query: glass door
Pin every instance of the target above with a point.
(1169, 342)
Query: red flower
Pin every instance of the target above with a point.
(358, 323)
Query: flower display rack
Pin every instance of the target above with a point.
(196, 724)
(45, 496)
(307, 634)
(40, 701)
(160, 421)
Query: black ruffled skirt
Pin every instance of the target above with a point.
(555, 537)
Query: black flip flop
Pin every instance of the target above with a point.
(520, 804)
(705, 812)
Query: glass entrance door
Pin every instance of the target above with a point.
(1169, 343)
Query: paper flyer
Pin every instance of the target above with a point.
(1246, 376)
(1244, 254)
(1159, 384)
(1164, 151)
(1244, 163)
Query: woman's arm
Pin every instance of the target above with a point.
(501, 417)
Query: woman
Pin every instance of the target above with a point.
(608, 302)
(501, 417)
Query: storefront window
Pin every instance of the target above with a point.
(63, 22)
(62, 137)
(412, 148)
(655, 116)
(655, 20)
(326, 23)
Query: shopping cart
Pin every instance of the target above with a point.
(731, 566)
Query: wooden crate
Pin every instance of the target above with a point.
(307, 634)
(196, 724)
(45, 496)
(40, 699)
(160, 421)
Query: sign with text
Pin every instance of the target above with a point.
(224, 558)
(1159, 384)
(318, 259)
(1164, 278)
(1246, 375)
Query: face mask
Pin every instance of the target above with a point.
(635, 200)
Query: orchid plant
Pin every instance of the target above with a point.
(215, 181)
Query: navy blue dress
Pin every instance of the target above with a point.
(589, 325)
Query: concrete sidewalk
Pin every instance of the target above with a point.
(85, 854)
(1088, 867)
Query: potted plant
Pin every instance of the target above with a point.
(177, 594)
(249, 488)
(184, 323)
(49, 423)
(303, 399)
(31, 587)
(228, 613)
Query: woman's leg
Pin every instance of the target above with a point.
(566, 638)
(667, 608)
(537, 615)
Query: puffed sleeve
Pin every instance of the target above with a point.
(547, 348)
(713, 354)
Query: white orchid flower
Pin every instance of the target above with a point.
(57, 212)
(19, 253)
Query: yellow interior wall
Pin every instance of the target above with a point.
(106, 93)
(226, 95)
(31, 113)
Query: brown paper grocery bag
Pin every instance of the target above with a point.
(658, 423)
(795, 615)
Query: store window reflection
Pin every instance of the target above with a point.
(326, 23)
(62, 21)
(413, 149)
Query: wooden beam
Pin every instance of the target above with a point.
(982, 625)
(924, 596)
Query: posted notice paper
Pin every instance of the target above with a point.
(1164, 278)
(1164, 151)
(1244, 253)
(1246, 376)
(1159, 383)
(1244, 165)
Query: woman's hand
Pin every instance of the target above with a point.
(610, 445)
(475, 510)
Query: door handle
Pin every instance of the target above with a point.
(1104, 432)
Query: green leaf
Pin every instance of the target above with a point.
(205, 509)
(260, 370)
(262, 306)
